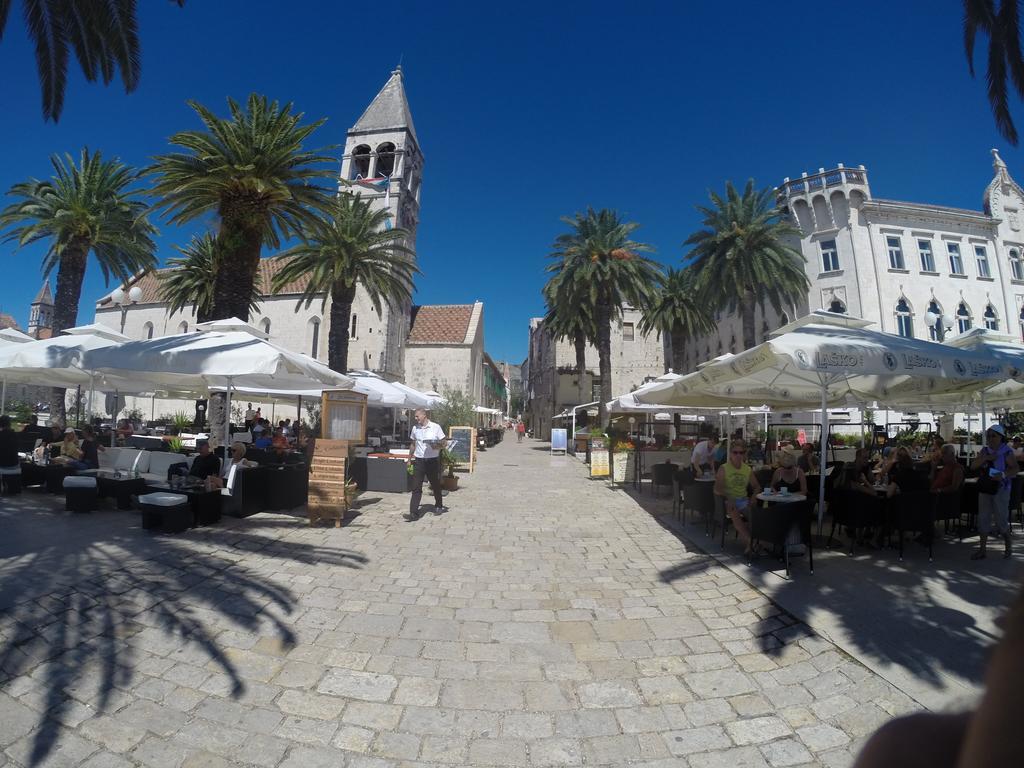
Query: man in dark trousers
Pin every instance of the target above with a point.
(428, 438)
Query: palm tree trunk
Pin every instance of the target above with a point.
(342, 297)
(235, 273)
(677, 340)
(70, 275)
(603, 316)
(580, 342)
(236, 270)
(747, 307)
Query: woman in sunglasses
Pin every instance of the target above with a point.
(735, 482)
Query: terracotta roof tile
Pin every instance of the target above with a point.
(8, 321)
(440, 324)
(150, 283)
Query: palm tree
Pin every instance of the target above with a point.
(1000, 20)
(250, 171)
(102, 33)
(189, 282)
(741, 259)
(569, 317)
(349, 247)
(84, 208)
(678, 313)
(598, 262)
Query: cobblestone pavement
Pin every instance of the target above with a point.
(532, 624)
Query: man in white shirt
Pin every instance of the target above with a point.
(702, 455)
(428, 439)
(250, 416)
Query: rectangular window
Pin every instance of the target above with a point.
(895, 253)
(924, 247)
(982, 256)
(829, 256)
(956, 262)
(905, 326)
(627, 331)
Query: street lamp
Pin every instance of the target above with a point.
(125, 299)
(941, 323)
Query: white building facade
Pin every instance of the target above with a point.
(894, 262)
(549, 374)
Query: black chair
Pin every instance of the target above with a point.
(854, 511)
(662, 475)
(703, 501)
(772, 524)
(915, 511)
(1016, 489)
(682, 488)
(764, 476)
(948, 507)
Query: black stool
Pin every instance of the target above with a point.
(80, 494)
(10, 480)
(168, 512)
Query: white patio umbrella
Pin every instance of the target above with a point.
(431, 399)
(231, 324)
(386, 393)
(13, 336)
(824, 359)
(58, 362)
(196, 362)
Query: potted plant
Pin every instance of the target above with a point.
(175, 445)
(622, 454)
(448, 460)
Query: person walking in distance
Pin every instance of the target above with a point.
(428, 438)
(520, 431)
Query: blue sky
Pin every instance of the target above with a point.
(530, 111)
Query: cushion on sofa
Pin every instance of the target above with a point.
(108, 458)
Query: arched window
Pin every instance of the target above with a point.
(904, 319)
(385, 159)
(732, 344)
(147, 331)
(1021, 321)
(355, 326)
(314, 336)
(182, 327)
(963, 318)
(360, 162)
(784, 320)
(837, 306)
(265, 326)
(991, 320)
(935, 309)
(1016, 266)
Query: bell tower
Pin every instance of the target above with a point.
(383, 162)
(40, 315)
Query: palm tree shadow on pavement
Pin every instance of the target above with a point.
(85, 597)
(913, 614)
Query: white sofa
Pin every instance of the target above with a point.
(151, 465)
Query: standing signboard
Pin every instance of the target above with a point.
(599, 466)
(462, 444)
(327, 481)
(343, 416)
(559, 440)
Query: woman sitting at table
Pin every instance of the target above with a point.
(808, 461)
(950, 475)
(789, 475)
(903, 478)
(69, 450)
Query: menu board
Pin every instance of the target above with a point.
(343, 415)
(599, 462)
(558, 440)
(462, 444)
(327, 482)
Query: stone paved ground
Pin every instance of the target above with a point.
(533, 625)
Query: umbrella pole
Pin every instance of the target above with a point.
(92, 389)
(113, 431)
(821, 458)
(227, 422)
(78, 404)
(984, 417)
(298, 412)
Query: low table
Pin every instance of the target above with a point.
(205, 504)
(121, 488)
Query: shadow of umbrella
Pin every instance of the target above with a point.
(75, 601)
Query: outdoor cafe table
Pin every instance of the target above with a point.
(786, 498)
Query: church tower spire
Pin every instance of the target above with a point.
(383, 163)
(40, 314)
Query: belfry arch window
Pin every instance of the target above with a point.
(963, 318)
(991, 319)
(361, 162)
(904, 319)
(385, 159)
(314, 336)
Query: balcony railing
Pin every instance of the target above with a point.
(823, 179)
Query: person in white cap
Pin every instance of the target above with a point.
(998, 466)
